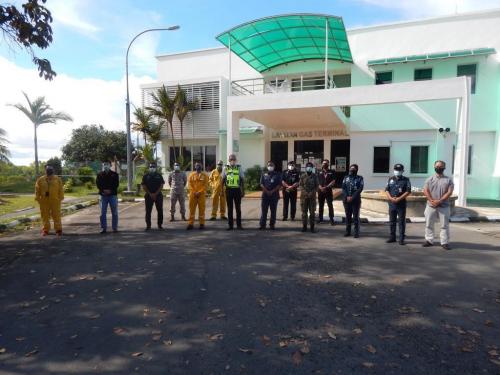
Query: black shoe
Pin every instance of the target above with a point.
(147, 229)
(262, 227)
(189, 227)
(271, 227)
(202, 226)
(332, 222)
(239, 227)
(102, 231)
(284, 219)
(184, 218)
(304, 228)
(172, 218)
(115, 230)
(446, 246)
(402, 242)
(356, 235)
(293, 219)
(312, 229)
(223, 218)
(427, 244)
(347, 234)
(229, 228)
(212, 218)
(390, 240)
(160, 227)
(320, 221)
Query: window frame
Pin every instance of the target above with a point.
(473, 86)
(411, 160)
(424, 79)
(382, 72)
(388, 160)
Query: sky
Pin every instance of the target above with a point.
(91, 39)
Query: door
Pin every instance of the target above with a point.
(340, 150)
(279, 154)
(311, 151)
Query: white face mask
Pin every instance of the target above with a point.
(152, 170)
(397, 173)
(270, 168)
(309, 169)
(232, 162)
(176, 167)
(106, 167)
(290, 167)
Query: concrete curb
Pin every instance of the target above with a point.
(64, 211)
(453, 219)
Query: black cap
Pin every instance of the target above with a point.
(152, 165)
(399, 167)
(309, 164)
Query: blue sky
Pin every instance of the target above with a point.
(91, 37)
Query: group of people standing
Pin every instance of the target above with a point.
(227, 186)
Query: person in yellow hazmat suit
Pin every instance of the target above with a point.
(218, 192)
(197, 185)
(49, 194)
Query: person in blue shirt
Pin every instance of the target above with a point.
(270, 182)
(352, 186)
(397, 190)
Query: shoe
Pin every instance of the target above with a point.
(202, 226)
(347, 234)
(446, 246)
(223, 218)
(402, 242)
(160, 227)
(271, 227)
(147, 229)
(304, 228)
(212, 218)
(172, 218)
(356, 235)
(293, 219)
(115, 230)
(262, 227)
(189, 227)
(284, 219)
(102, 231)
(320, 221)
(332, 222)
(427, 244)
(59, 233)
(239, 227)
(312, 229)
(229, 228)
(184, 218)
(390, 240)
(44, 233)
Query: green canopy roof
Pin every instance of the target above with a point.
(272, 41)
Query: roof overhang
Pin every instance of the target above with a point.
(272, 41)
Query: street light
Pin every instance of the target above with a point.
(127, 106)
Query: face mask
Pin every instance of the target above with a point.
(309, 169)
(106, 167)
(198, 168)
(439, 170)
(290, 168)
(49, 171)
(152, 170)
(219, 168)
(353, 172)
(270, 168)
(325, 166)
(397, 173)
(232, 162)
(177, 168)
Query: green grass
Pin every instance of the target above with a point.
(18, 202)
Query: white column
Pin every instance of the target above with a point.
(291, 151)
(462, 147)
(327, 149)
(233, 133)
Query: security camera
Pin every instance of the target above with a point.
(447, 130)
(441, 130)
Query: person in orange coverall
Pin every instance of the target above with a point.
(49, 194)
(197, 185)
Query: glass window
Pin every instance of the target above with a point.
(423, 74)
(187, 156)
(382, 78)
(198, 155)
(470, 71)
(210, 158)
(381, 159)
(419, 159)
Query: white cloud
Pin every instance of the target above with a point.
(427, 8)
(88, 101)
(70, 13)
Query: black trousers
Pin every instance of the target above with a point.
(233, 199)
(328, 196)
(149, 208)
(266, 204)
(289, 199)
(352, 215)
(397, 213)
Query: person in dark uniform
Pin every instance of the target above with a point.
(270, 182)
(308, 187)
(290, 182)
(152, 183)
(107, 182)
(232, 178)
(326, 179)
(397, 190)
(352, 186)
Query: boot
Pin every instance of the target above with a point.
(184, 218)
(172, 218)
(304, 227)
(312, 228)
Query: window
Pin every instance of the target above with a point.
(422, 74)
(210, 158)
(469, 160)
(206, 155)
(419, 159)
(381, 159)
(469, 71)
(382, 78)
(187, 155)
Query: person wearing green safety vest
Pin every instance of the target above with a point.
(233, 180)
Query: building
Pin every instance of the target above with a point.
(301, 87)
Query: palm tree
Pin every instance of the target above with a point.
(4, 151)
(155, 136)
(143, 122)
(182, 108)
(39, 112)
(163, 109)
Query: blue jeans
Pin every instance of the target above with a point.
(112, 200)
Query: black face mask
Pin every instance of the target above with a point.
(49, 172)
(353, 172)
(439, 170)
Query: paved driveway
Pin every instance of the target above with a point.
(247, 302)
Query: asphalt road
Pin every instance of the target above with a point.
(247, 302)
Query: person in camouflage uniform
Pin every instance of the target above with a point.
(177, 181)
(308, 187)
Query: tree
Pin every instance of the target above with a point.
(182, 108)
(39, 112)
(27, 28)
(4, 151)
(143, 122)
(155, 137)
(163, 109)
(56, 163)
(93, 142)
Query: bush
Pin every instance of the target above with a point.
(68, 186)
(86, 174)
(16, 184)
(89, 185)
(252, 178)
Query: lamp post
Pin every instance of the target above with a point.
(127, 105)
